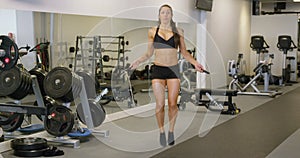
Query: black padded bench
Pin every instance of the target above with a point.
(186, 96)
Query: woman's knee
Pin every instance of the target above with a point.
(173, 108)
(159, 108)
(172, 102)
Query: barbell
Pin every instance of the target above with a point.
(106, 58)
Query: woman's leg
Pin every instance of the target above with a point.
(173, 91)
(158, 86)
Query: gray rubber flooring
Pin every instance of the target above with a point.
(267, 127)
(253, 134)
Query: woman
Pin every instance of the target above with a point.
(164, 41)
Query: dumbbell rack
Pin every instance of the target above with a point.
(108, 41)
(89, 51)
(86, 52)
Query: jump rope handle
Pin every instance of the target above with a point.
(206, 72)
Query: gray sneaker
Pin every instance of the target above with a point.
(171, 140)
(162, 139)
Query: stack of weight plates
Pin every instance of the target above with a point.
(33, 147)
(29, 147)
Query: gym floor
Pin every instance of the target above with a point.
(266, 127)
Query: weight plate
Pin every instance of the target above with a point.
(58, 82)
(89, 82)
(11, 121)
(11, 54)
(6, 117)
(29, 143)
(48, 103)
(97, 111)
(61, 83)
(40, 75)
(15, 83)
(10, 81)
(26, 85)
(30, 153)
(59, 121)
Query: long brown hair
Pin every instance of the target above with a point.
(173, 25)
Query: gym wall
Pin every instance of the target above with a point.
(20, 23)
(9, 16)
(228, 24)
(228, 27)
(84, 16)
(65, 29)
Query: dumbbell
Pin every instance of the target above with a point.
(123, 43)
(72, 49)
(106, 58)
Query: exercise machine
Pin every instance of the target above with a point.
(238, 67)
(286, 44)
(209, 102)
(262, 70)
(205, 96)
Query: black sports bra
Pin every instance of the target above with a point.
(161, 43)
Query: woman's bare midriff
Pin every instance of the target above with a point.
(166, 57)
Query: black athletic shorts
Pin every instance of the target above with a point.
(164, 72)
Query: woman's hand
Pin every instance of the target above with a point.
(134, 65)
(199, 67)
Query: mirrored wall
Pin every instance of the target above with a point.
(119, 40)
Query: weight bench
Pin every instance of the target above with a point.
(186, 96)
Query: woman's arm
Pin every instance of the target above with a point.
(186, 54)
(148, 53)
